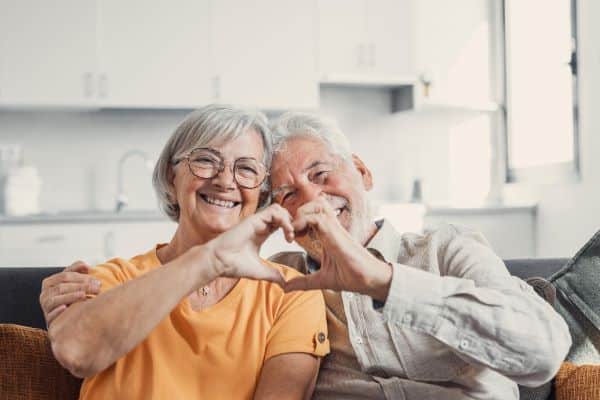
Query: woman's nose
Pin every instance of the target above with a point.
(225, 178)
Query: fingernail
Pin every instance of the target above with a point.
(96, 284)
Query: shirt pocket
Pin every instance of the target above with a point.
(429, 360)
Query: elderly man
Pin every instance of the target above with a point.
(410, 316)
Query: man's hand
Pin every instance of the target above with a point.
(345, 263)
(65, 288)
(236, 251)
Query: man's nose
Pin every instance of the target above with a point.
(309, 192)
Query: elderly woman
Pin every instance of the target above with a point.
(201, 317)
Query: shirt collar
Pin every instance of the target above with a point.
(387, 241)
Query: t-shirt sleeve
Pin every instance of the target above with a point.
(300, 325)
(112, 273)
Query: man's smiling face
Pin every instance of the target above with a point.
(306, 168)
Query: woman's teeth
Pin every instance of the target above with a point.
(218, 202)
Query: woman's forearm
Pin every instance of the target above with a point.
(91, 335)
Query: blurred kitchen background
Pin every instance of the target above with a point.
(476, 112)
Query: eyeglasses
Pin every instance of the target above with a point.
(206, 163)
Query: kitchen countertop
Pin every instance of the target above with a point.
(102, 216)
(488, 209)
(89, 216)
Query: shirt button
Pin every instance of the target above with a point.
(359, 340)
(464, 344)
(321, 337)
(407, 318)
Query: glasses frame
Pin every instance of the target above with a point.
(222, 165)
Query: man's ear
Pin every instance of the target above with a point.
(364, 172)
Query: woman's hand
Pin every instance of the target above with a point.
(65, 288)
(236, 251)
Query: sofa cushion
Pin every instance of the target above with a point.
(28, 369)
(578, 382)
(578, 301)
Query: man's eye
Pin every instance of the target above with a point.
(285, 197)
(320, 176)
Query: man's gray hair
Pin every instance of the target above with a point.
(210, 125)
(297, 124)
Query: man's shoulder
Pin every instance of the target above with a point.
(292, 259)
(444, 233)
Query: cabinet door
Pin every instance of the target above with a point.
(154, 53)
(390, 30)
(50, 245)
(265, 53)
(453, 48)
(47, 52)
(342, 37)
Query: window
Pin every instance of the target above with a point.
(541, 90)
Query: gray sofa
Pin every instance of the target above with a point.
(20, 287)
(19, 293)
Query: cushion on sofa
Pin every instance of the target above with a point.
(28, 369)
(578, 301)
(578, 382)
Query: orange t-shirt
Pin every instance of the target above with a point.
(215, 353)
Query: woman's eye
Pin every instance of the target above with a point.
(204, 160)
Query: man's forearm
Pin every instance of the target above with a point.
(90, 336)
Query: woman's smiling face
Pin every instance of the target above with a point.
(210, 206)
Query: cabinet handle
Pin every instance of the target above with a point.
(50, 238)
(216, 87)
(372, 54)
(109, 245)
(88, 85)
(360, 55)
(102, 86)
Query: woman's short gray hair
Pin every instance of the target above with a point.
(298, 124)
(212, 124)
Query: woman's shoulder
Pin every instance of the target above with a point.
(124, 269)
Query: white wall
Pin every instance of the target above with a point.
(77, 152)
(569, 214)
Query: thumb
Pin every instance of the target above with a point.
(306, 282)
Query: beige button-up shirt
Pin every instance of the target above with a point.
(455, 325)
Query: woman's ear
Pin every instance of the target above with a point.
(171, 182)
(364, 171)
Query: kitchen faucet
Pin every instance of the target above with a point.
(122, 199)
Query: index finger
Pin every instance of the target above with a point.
(65, 277)
(79, 266)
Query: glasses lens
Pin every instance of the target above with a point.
(204, 164)
(249, 173)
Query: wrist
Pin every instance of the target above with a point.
(202, 264)
(379, 279)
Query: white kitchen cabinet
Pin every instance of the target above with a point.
(366, 38)
(47, 52)
(455, 53)
(265, 53)
(154, 53)
(59, 244)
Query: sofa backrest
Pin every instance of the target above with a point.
(20, 287)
